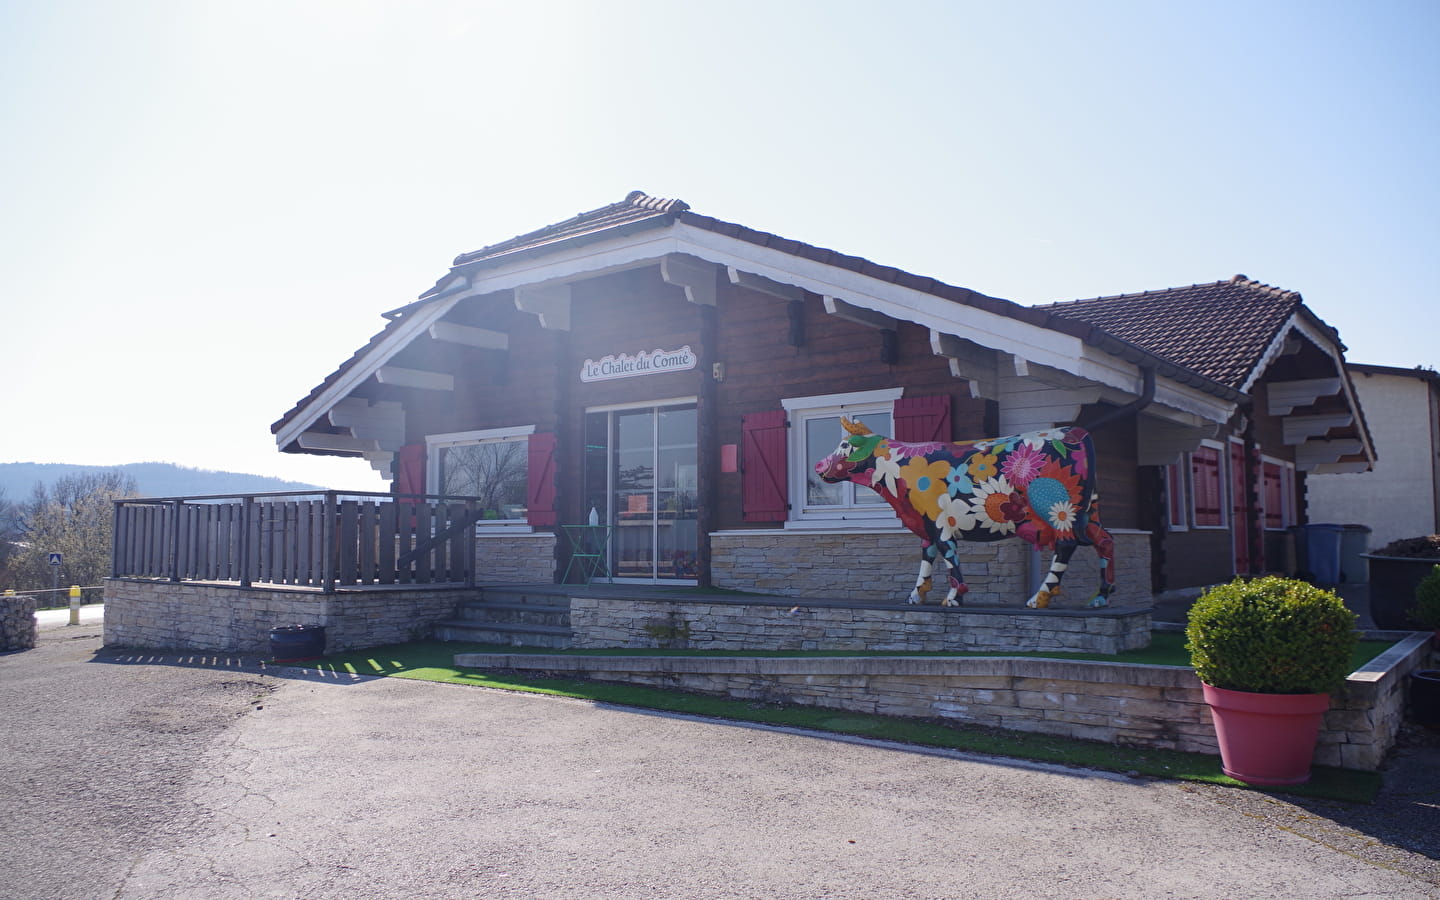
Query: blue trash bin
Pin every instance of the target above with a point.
(1354, 544)
(1322, 552)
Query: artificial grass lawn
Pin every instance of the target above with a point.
(434, 661)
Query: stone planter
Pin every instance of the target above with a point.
(1393, 580)
(17, 622)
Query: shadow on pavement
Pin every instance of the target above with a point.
(226, 661)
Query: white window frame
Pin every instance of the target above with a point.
(434, 443)
(798, 411)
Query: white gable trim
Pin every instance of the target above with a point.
(1032, 343)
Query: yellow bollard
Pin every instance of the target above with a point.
(74, 604)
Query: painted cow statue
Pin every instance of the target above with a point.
(1038, 486)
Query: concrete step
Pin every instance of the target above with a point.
(554, 637)
(514, 613)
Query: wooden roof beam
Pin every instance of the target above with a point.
(1314, 453)
(312, 440)
(1287, 396)
(859, 314)
(550, 302)
(1299, 429)
(693, 274)
(762, 285)
(415, 378)
(382, 421)
(470, 336)
(968, 360)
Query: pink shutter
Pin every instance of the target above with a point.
(540, 496)
(1274, 497)
(410, 477)
(765, 487)
(1205, 482)
(922, 420)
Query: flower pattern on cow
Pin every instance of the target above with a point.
(994, 507)
(1022, 465)
(959, 482)
(956, 517)
(983, 466)
(927, 483)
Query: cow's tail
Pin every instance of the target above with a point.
(1147, 395)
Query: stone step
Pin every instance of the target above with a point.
(514, 613)
(520, 595)
(555, 637)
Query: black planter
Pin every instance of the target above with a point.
(1393, 580)
(1425, 697)
(294, 643)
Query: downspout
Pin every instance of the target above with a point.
(1147, 396)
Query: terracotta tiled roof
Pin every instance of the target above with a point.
(636, 207)
(1220, 330)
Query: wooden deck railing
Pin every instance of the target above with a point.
(324, 540)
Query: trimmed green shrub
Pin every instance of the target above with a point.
(1271, 636)
(1426, 613)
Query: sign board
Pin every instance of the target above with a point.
(54, 559)
(646, 362)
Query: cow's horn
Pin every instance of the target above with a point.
(854, 427)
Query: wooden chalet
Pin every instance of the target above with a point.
(639, 393)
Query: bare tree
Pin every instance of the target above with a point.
(494, 472)
(75, 518)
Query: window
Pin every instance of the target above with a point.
(1207, 485)
(1278, 493)
(492, 465)
(815, 430)
(780, 448)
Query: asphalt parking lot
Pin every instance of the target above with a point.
(169, 775)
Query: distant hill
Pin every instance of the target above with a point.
(152, 479)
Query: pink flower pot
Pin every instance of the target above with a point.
(1266, 738)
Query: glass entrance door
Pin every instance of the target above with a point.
(640, 478)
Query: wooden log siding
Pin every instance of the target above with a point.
(321, 541)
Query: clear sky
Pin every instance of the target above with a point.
(205, 206)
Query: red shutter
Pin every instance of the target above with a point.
(765, 486)
(921, 420)
(1274, 497)
(540, 497)
(1205, 482)
(410, 477)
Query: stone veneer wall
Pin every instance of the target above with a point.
(612, 621)
(1150, 706)
(197, 616)
(515, 558)
(17, 622)
(881, 566)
